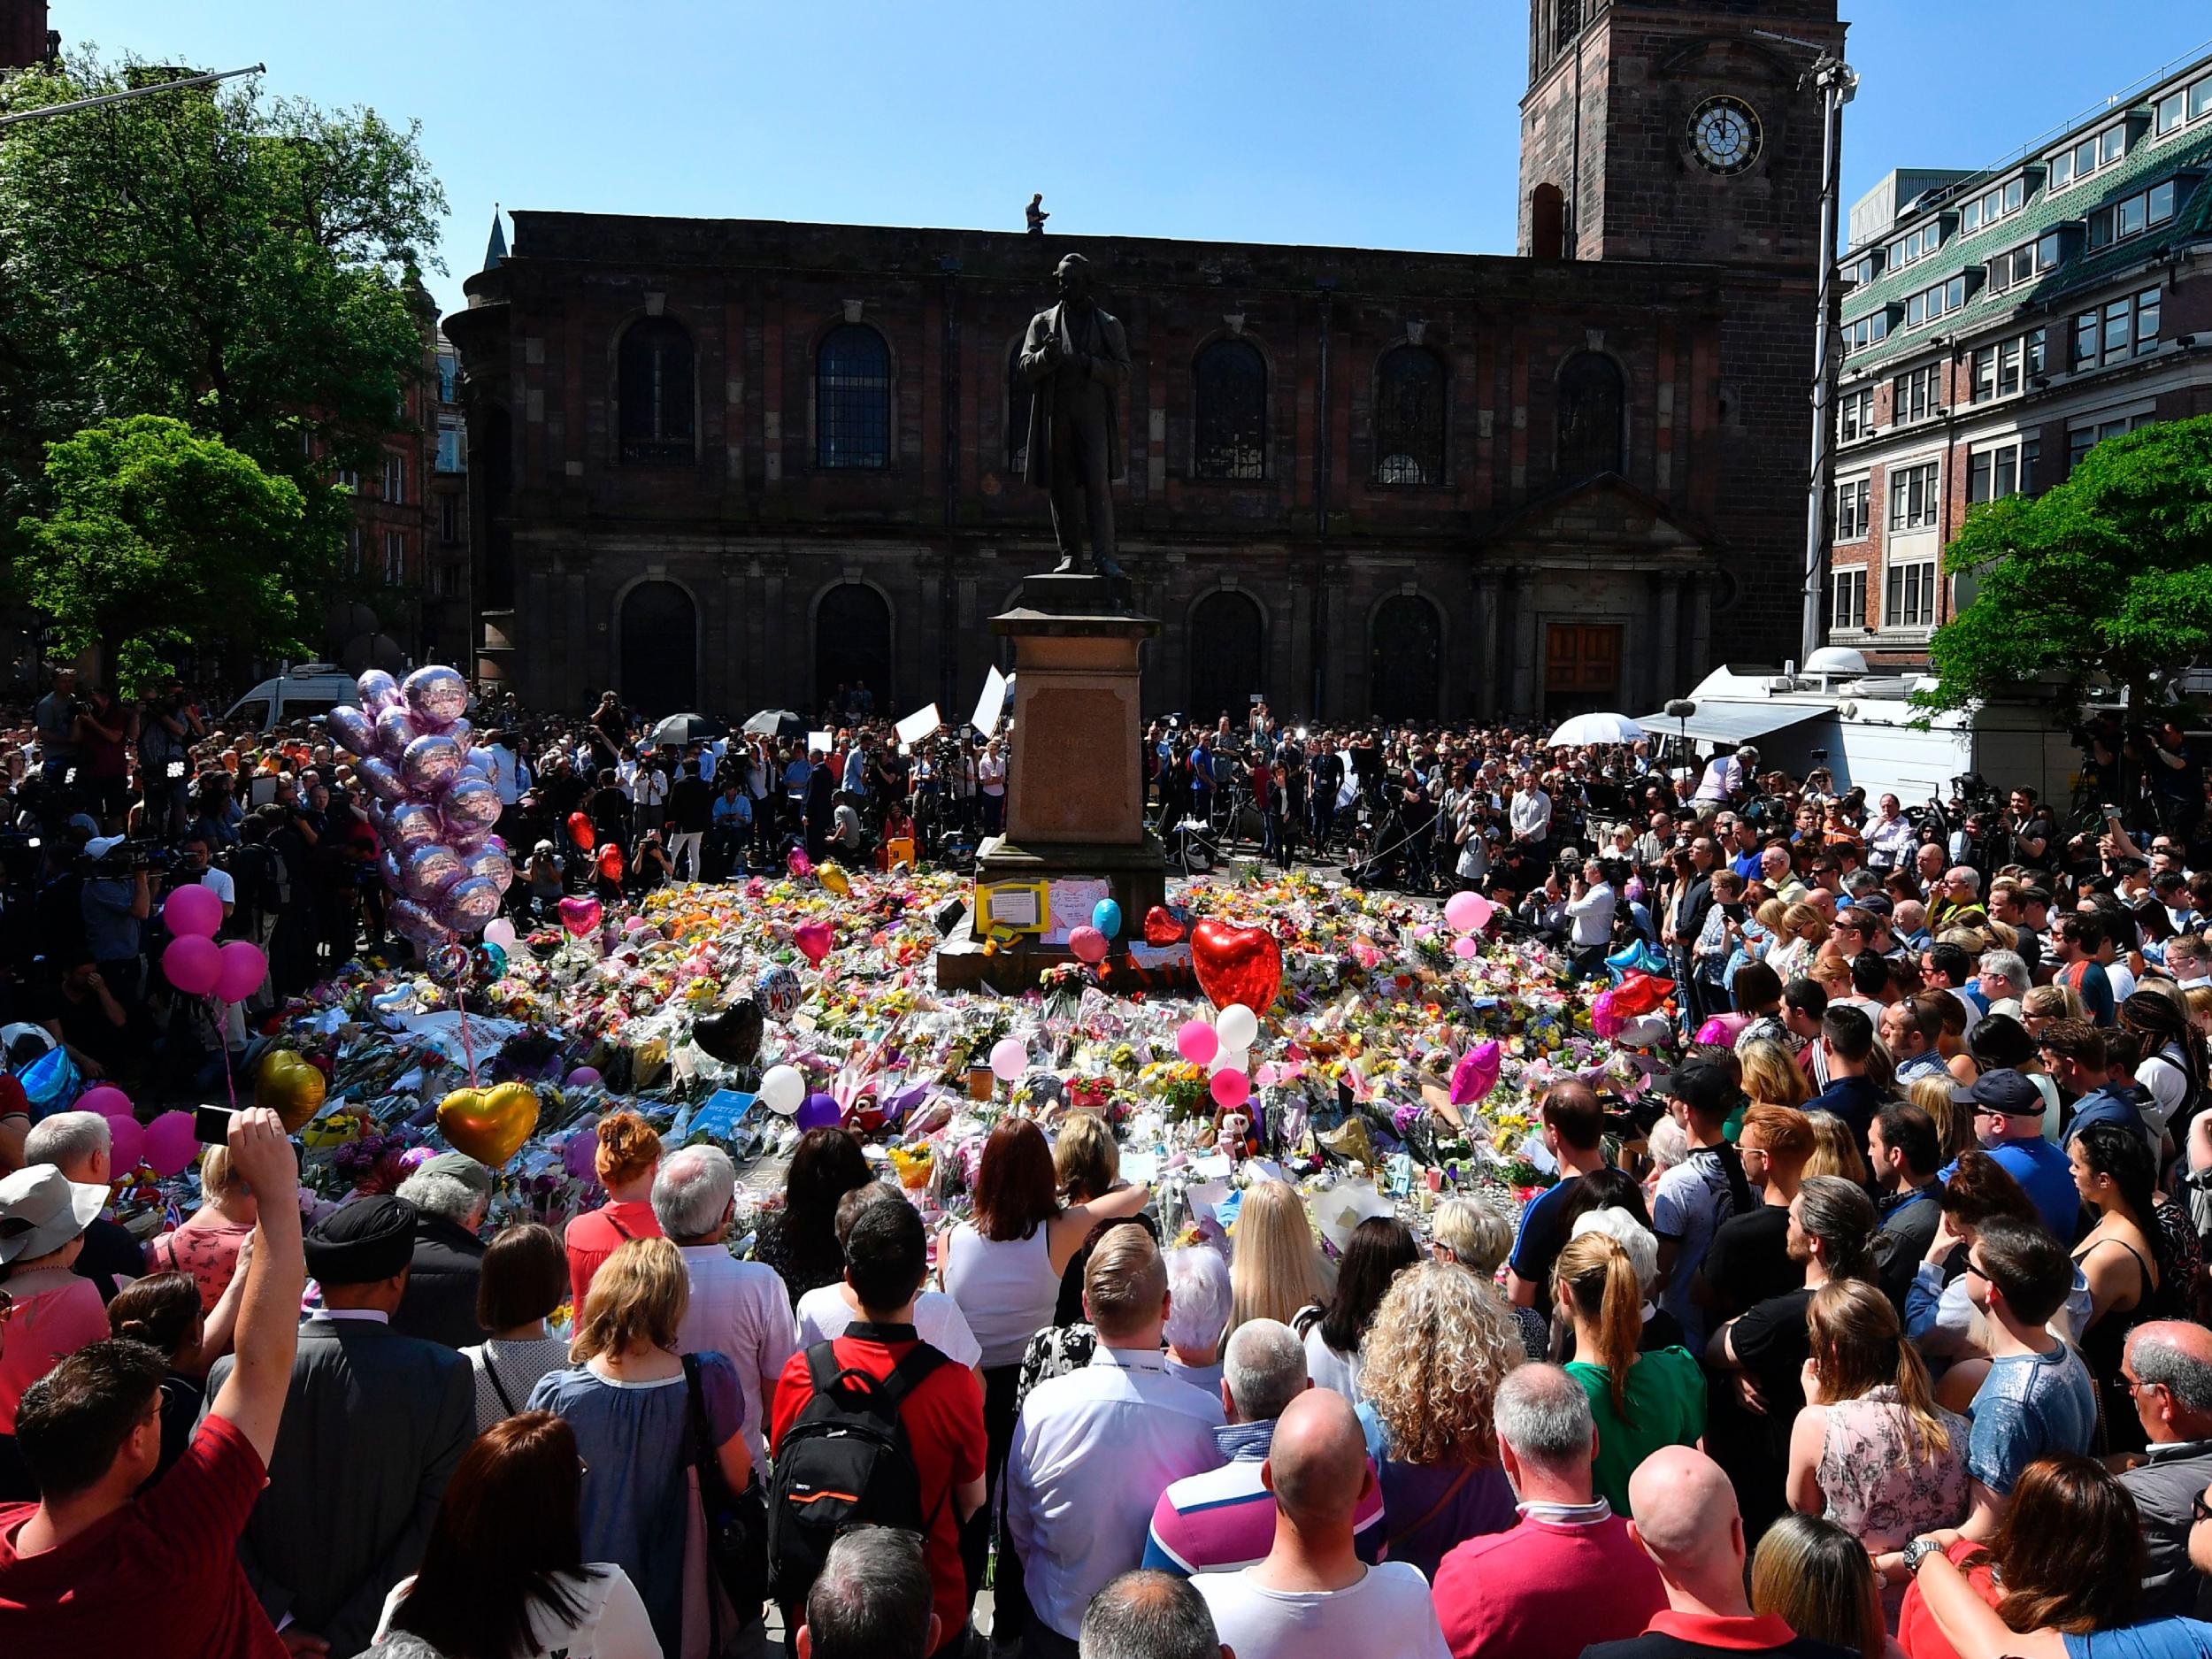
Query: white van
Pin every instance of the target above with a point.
(300, 694)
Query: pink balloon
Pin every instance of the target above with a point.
(583, 1076)
(814, 940)
(352, 728)
(170, 1144)
(129, 1143)
(799, 865)
(1465, 912)
(580, 915)
(1089, 944)
(1466, 948)
(1476, 1074)
(192, 911)
(104, 1098)
(192, 963)
(1721, 1030)
(1197, 1041)
(1231, 1087)
(242, 970)
(1605, 1020)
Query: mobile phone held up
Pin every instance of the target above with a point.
(210, 1125)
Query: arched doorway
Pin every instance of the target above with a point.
(852, 645)
(1406, 658)
(660, 649)
(1226, 658)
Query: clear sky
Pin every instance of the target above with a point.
(1379, 123)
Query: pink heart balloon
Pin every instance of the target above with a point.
(1476, 1074)
(580, 915)
(815, 941)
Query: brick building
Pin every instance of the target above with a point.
(731, 463)
(2002, 322)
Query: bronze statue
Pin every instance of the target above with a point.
(1075, 357)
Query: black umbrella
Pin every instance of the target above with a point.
(679, 729)
(776, 723)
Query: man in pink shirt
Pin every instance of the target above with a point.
(1569, 1574)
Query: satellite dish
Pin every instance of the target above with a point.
(1839, 661)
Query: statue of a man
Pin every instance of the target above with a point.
(1074, 359)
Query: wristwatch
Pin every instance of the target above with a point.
(1918, 1551)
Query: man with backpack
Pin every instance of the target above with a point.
(877, 1428)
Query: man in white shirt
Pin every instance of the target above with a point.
(825, 1311)
(1725, 775)
(1313, 1597)
(1586, 910)
(740, 1308)
(510, 774)
(1093, 1450)
(1890, 838)
(1531, 812)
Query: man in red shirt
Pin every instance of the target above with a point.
(886, 1261)
(1569, 1574)
(96, 1569)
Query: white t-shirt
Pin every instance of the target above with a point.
(218, 882)
(2169, 1085)
(938, 1321)
(1330, 1369)
(611, 1620)
(1389, 1611)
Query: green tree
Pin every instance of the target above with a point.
(2107, 574)
(246, 265)
(158, 536)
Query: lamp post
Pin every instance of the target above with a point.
(74, 104)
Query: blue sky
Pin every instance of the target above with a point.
(1382, 123)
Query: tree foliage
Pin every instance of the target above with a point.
(158, 536)
(2108, 572)
(246, 265)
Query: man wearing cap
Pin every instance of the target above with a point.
(450, 1194)
(374, 1422)
(2008, 1123)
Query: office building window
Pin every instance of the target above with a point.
(1917, 394)
(448, 519)
(449, 451)
(1910, 600)
(2123, 328)
(1851, 503)
(2008, 368)
(2082, 439)
(1983, 385)
(1915, 245)
(1855, 414)
(1940, 301)
(2201, 99)
(395, 478)
(2132, 215)
(394, 558)
(1993, 474)
(1913, 500)
(1862, 331)
(2032, 343)
(2023, 264)
(1992, 204)
(1848, 610)
(2077, 161)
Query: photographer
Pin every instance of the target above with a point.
(2028, 830)
(168, 725)
(117, 899)
(103, 731)
(56, 720)
(2176, 776)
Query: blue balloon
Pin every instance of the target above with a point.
(1106, 917)
(49, 1081)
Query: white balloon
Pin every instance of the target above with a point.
(1236, 1025)
(1228, 1059)
(783, 1090)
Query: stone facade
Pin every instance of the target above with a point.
(1465, 485)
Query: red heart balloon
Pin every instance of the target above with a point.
(1161, 927)
(1236, 965)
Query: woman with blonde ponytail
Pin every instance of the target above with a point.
(1871, 1450)
(1641, 1400)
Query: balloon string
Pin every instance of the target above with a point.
(222, 1041)
(468, 1048)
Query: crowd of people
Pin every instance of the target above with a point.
(1876, 1322)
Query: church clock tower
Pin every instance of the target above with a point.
(1677, 131)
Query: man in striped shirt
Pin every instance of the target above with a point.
(1225, 1518)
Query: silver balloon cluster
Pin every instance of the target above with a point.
(432, 800)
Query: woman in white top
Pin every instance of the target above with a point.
(1003, 1268)
(503, 1573)
(1380, 1249)
(2174, 1071)
(525, 1278)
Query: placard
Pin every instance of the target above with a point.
(991, 706)
(918, 725)
(821, 742)
(1073, 902)
(1017, 907)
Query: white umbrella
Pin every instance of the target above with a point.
(1594, 728)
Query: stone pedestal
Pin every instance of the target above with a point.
(1075, 774)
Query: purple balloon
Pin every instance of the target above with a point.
(462, 733)
(469, 904)
(375, 687)
(394, 876)
(471, 805)
(430, 871)
(579, 1154)
(492, 866)
(430, 763)
(437, 695)
(395, 728)
(410, 920)
(353, 728)
(383, 780)
(818, 1111)
(470, 843)
(415, 824)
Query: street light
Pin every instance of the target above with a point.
(76, 105)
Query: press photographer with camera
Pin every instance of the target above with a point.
(55, 719)
(117, 898)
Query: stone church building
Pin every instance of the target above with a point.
(731, 464)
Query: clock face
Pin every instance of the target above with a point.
(1724, 134)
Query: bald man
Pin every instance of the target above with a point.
(2168, 1368)
(1312, 1597)
(1686, 1521)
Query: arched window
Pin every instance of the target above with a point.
(1229, 383)
(1226, 642)
(660, 648)
(1410, 417)
(1405, 660)
(1017, 415)
(852, 643)
(655, 379)
(852, 399)
(1590, 404)
(1546, 222)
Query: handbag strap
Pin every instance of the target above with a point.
(710, 1473)
(1433, 1510)
(491, 1375)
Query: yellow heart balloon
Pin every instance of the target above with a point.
(291, 1087)
(836, 879)
(490, 1124)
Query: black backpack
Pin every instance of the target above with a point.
(844, 1462)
